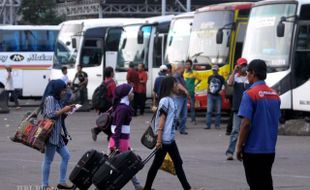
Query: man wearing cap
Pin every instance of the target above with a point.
(260, 112)
(240, 83)
(215, 85)
(161, 75)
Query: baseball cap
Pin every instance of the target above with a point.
(163, 68)
(258, 66)
(242, 61)
(215, 68)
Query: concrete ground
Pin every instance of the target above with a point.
(202, 152)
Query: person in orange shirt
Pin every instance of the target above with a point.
(141, 89)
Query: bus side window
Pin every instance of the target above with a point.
(92, 52)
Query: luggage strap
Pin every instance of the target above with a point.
(149, 157)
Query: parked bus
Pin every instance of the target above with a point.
(178, 38)
(141, 42)
(279, 33)
(29, 51)
(83, 42)
(227, 20)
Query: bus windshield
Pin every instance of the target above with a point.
(129, 49)
(261, 37)
(65, 53)
(178, 40)
(27, 40)
(203, 48)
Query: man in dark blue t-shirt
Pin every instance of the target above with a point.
(215, 85)
(260, 110)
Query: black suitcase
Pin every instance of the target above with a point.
(81, 175)
(115, 173)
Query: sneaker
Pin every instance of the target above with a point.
(184, 133)
(207, 127)
(139, 187)
(48, 188)
(93, 134)
(18, 107)
(197, 188)
(229, 157)
(228, 133)
(64, 186)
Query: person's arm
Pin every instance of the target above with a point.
(243, 135)
(182, 88)
(144, 79)
(246, 111)
(50, 108)
(231, 79)
(84, 83)
(161, 125)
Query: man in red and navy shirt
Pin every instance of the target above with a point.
(260, 110)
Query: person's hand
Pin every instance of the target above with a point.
(158, 145)
(239, 154)
(68, 108)
(237, 68)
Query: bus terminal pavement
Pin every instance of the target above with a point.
(202, 151)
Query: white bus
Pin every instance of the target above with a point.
(279, 33)
(29, 51)
(178, 38)
(141, 42)
(84, 42)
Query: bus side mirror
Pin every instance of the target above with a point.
(219, 36)
(124, 43)
(73, 43)
(280, 29)
(140, 37)
(170, 41)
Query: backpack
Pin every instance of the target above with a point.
(104, 121)
(100, 101)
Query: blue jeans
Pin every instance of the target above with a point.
(48, 159)
(214, 101)
(234, 134)
(193, 115)
(181, 104)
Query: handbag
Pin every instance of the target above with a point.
(34, 132)
(149, 138)
(168, 165)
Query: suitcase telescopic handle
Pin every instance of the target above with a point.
(149, 157)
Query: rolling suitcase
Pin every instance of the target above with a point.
(118, 170)
(81, 175)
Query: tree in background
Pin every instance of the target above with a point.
(39, 12)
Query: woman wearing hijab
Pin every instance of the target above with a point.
(120, 139)
(53, 109)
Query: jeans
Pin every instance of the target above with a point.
(48, 159)
(214, 101)
(234, 134)
(258, 170)
(193, 115)
(181, 104)
(173, 151)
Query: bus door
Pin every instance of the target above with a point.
(240, 36)
(91, 57)
(301, 68)
(112, 39)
